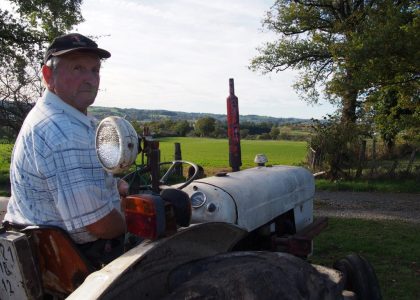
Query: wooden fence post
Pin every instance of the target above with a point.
(178, 156)
(362, 153)
(411, 161)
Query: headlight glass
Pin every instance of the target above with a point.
(198, 199)
(108, 145)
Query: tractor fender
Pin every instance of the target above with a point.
(142, 272)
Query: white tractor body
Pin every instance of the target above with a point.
(253, 197)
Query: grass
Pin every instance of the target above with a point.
(213, 155)
(5, 153)
(392, 247)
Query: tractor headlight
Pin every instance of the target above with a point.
(117, 144)
(198, 199)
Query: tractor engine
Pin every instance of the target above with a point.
(267, 201)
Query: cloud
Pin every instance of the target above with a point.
(179, 55)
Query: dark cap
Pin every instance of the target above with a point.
(73, 42)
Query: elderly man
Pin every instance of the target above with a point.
(55, 175)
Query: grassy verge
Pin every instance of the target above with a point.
(5, 152)
(397, 186)
(392, 247)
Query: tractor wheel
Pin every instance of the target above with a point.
(360, 277)
(251, 275)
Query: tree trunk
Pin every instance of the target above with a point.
(349, 101)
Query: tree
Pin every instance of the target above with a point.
(244, 133)
(182, 127)
(344, 49)
(25, 30)
(274, 132)
(205, 126)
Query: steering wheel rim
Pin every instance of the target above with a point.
(171, 169)
(162, 181)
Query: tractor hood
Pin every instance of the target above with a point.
(252, 197)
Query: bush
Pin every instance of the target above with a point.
(336, 146)
(264, 136)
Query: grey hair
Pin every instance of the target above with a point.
(53, 62)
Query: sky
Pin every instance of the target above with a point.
(179, 55)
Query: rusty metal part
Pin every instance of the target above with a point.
(61, 265)
(313, 229)
(300, 244)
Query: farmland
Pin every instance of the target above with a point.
(213, 155)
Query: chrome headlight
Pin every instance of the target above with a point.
(117, 144)
(198, 199)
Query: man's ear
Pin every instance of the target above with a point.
(47, 74)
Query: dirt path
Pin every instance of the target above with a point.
(368, 205)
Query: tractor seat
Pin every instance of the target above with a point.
(61, 265)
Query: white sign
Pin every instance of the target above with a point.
(11, 278)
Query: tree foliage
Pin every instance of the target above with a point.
(26, 27)
(205, 126)
(345, 49)
(165, 127)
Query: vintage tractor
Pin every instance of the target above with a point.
(244, 234)
(241, 234)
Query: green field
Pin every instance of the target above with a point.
(213, 154)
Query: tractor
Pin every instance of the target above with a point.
(245, 234)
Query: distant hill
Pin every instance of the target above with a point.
(144, 115)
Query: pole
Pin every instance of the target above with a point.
(233, 128)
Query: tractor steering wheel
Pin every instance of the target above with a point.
(137, 181)
(193, 172)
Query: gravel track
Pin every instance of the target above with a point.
(368, 205)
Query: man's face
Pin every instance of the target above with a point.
(76, 79)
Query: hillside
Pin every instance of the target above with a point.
(144, 115)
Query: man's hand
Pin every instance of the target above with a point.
(123, 187)
(109, 227)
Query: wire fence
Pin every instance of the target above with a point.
(372, 160)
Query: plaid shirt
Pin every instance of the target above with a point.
(55, 175)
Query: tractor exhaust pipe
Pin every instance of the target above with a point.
(233, 128)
